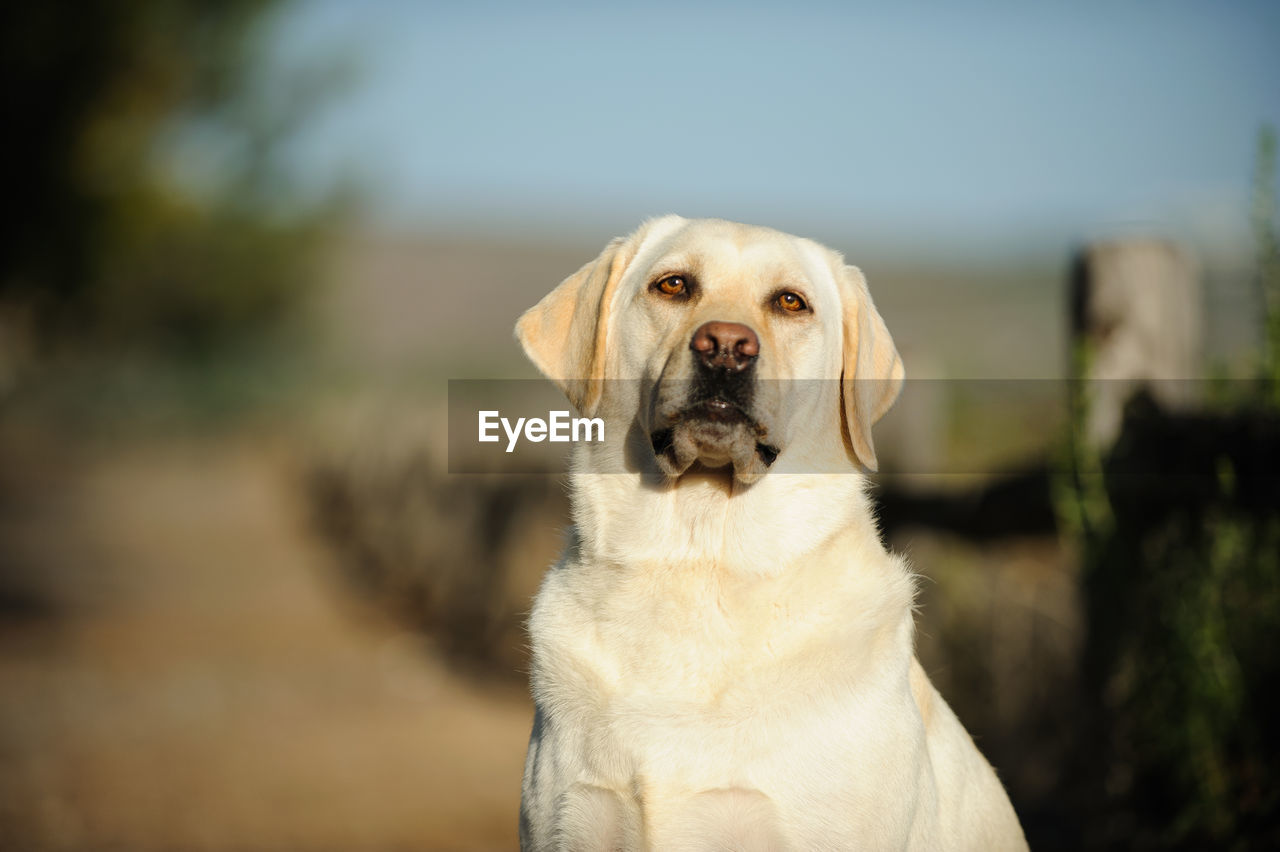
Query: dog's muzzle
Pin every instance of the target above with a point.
(714, 425)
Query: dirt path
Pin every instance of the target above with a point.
(202, 683)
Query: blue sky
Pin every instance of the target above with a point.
(983, 124)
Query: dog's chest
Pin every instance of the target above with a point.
(664, 692)
(780, 746)
(691, 684)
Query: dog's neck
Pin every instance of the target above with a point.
(706, 520)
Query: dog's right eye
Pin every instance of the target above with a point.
(672, 285)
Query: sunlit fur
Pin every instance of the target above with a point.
(720, 665)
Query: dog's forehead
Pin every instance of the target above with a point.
(713, 246)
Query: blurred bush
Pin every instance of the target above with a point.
(1181, 573)
(455, 557)
(153, 210)
(1181, 588)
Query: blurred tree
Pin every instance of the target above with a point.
(109, 242)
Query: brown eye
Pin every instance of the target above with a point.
(790, 302)
(673, 285)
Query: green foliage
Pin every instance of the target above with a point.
(1179, 608)
(112, 246)
(1181, 582)
(1080, 500)
(1180, 551)
(187, 278)
(1268, 261)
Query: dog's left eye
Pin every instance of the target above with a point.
(673, 285)
(790, 302)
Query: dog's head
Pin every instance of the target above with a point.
(720, 332)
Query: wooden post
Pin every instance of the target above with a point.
(1136, 323)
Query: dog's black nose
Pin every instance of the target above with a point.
(729, 346)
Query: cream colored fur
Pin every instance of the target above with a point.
(724, 665)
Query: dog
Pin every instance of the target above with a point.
(723, 657)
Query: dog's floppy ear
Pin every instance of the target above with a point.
(872, 375)
(564, 334)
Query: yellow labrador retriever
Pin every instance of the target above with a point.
(723, 657)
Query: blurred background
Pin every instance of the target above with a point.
(243, 603)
